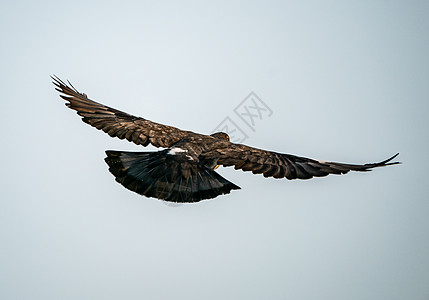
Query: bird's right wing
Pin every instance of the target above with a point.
(279, 165)
(117, 123)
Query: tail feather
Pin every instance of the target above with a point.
(159, 175)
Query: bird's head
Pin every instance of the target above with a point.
(220, 135)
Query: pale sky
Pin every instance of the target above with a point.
(346, 81)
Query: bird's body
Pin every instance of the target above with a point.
(184, 171)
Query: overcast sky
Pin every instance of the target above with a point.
(344, 81)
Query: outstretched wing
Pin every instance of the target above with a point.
(278, 165)
(117, 123)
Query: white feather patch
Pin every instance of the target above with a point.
(174, 151)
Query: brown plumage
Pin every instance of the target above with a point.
(184, 172)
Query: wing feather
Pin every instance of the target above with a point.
(279, 165)
(117, 123)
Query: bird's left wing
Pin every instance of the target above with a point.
(279, 165)
(117, 123)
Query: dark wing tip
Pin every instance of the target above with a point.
(68, 90)
(387, 161)
(57, 81)
(370, 166)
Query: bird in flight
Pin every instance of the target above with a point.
(185, 170)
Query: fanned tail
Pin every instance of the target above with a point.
(159, 175)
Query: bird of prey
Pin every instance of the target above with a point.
(185, 170)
